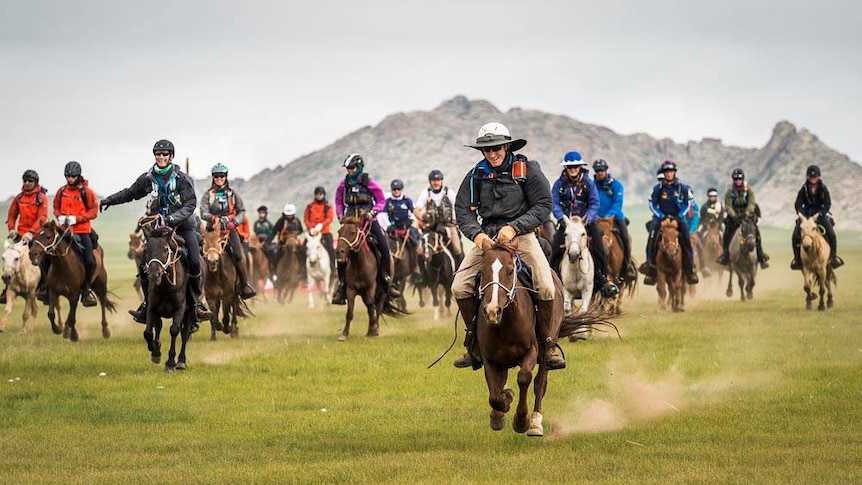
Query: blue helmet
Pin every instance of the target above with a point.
(573, 159)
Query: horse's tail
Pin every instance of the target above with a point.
(242, 308)
(107, 302)
(576, 322)
(393, 310)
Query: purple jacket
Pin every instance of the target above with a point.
(376, 193)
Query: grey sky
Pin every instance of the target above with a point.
(257, 84)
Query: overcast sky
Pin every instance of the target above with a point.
(257, 84)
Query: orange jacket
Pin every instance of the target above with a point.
(29, 209)
(318, 213)
(77, 200)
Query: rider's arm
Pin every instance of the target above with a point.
(91, 210)
(204, 207)
(827, 199)
(653, 202)
(379, 196)
(12, 214)
(238, 208)
(58, 199)
(186, 190)
(752, 204)
(555, 200)
(339, 200)
(539, 201)
(593, 208)
(728, 203)
(617, 205)
(467, 219)
(138, 190)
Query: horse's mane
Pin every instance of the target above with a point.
(351, 220)
(669, 222)
(509, 246)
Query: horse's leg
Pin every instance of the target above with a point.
(740, 278)
(185, 333)
(435, 302)
(10, 298)
(100, 288)
(729, 291)
(348, 317)
(151, 335)
(749, 287)
(821, 276)
(500, 399)
(311, 284)
(375, 307)
(448, 289)
(71, 331)
(661, 288)
(214, 304)
(225, 317)
(540, 385)
(176, 326)
(829, 276)
(234, 323)
(521, 422)
(30, 310)
(806, 286)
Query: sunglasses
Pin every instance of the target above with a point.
(219, 175)
(162, 154)
(29, 181)
(492, 149)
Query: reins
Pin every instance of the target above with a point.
(58, 238)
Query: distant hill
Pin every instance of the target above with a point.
(409, 145)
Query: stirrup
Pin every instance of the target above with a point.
(88, 298)
(140, 314)
(554, 358)
(202, 313)
(836, 262)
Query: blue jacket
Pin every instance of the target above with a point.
(693, 217)
(670, 200)
(579, 199)
(399, 211)
(610, 192)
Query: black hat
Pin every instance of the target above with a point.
(262, 209)
(812, 171)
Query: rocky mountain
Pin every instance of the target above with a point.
(409, 145)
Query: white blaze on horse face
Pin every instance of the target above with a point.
(496, 266)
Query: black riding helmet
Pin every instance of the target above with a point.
(354, 160)
(73, 169)
(319, 190)
(396, 184)
(737, 174)
(435, 175)
(163, 146)
(600, 165)
(262, 208)
(812, 171)
(30, 175)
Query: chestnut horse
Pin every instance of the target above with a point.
(136, 253)
(670, 284)
(712, 248)
(258, 266)
(506, 333)
(66, 276)
(167, 294)
(815, 255)
(287, 270)
(220, 282)
(612, 241)
(361, 274)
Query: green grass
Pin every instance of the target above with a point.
(727, 392)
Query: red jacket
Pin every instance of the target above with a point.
(319, 213)
(70, 201)
(30, 209)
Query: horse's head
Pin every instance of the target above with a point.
(748, 234)
(576, 238)
(669, 243)
(45, 242)
(351, 236)
(214, 244)
(606, 225)
(431, 243)
(291, 243)
(163, 251)
(136, 245)
(313, 248)
(497, 272)
(810, 231)
(14, 254)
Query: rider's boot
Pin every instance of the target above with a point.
(471, 358)
(796, 264)
(42, 287)
(723, 259)
(88, 299)
(688, 268)
(762, 257)
(202, 313)
(340, 296)
(650, 272)
(140, 315)
(245, 289)
(834, 260)
(629, 271)
(546, 331)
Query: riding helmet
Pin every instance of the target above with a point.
(219, 168)
(163, 146)
(319, 190)
(668, 165)
(354, 160)
(396, 184)
(30, 175)
(435, 175)
(737, 174)
(600, 165)
(812, 171)
(73, 169)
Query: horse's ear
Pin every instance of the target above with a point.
(7, 244)
(800, 216)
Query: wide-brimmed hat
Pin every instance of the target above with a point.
(495, 134)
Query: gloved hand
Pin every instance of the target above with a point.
(370, 215)
(483, 242)
(12, 235)
(61, 220)
(71, 220)
(171, 220)
(318, 227)
(230, 226)
(103, 205)
(506, 234)
(27, 237)
(225, 220)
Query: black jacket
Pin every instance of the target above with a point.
(810, 204)
(177, 207)
(501, 200)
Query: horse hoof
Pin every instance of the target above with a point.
(821, 307)
(729, 293)
(156, 358)
(342, 338)
(520, 425)
(536, 428)
(106, 333)
(830, 304)
(73, 337)
(498, 420)
(181, 366)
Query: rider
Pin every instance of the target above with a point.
(692, 219)
(575, 194)
(359, 193)
(740, 203)
(75, 205)
(287, 225)
(435, 208)
(670, 198)
(399, 214)
(506, 197)
(318, 216)
(711, 211)
(610, 191)
(814, 199)
(29, 209)
(172, 195)
(262, 227)
(222, 203)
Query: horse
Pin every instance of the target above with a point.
(220, 283)
(577, 268)
(66, 276)
(136, 254)
(439, 269)
(167, 295)
(361, 275)
(712, 248)
(287, 269)
(743, 259)
(21, 279)
(612, 241)
(815, 256)
(506, 336)
(405, 260)
(258, 265)
(670, 284)
(317, 269)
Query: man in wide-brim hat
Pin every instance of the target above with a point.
(512, 197)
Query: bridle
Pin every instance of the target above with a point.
(170, 261)
(361, 236)
(670, 245)
(51, 249)
(218, 249)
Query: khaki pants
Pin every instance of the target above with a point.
(464, 283)
(454, 238)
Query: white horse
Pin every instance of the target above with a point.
(317, 268)
(22, 277)
(576, 268)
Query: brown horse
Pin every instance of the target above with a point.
(613, 243)
(439, 270)
(506, 334)
(167, 295)
(815, 255)
(712, 248)
(670, 284)
(288, 270)
(405, 260)
(66, 276)
(361, 274)
(258, 266)
(136, 254)
(220, 282)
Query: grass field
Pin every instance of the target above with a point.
(727, 392)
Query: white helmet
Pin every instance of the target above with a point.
(495, 134)
(289, 210)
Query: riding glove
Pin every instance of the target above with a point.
(506, 234)
(483, 242)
